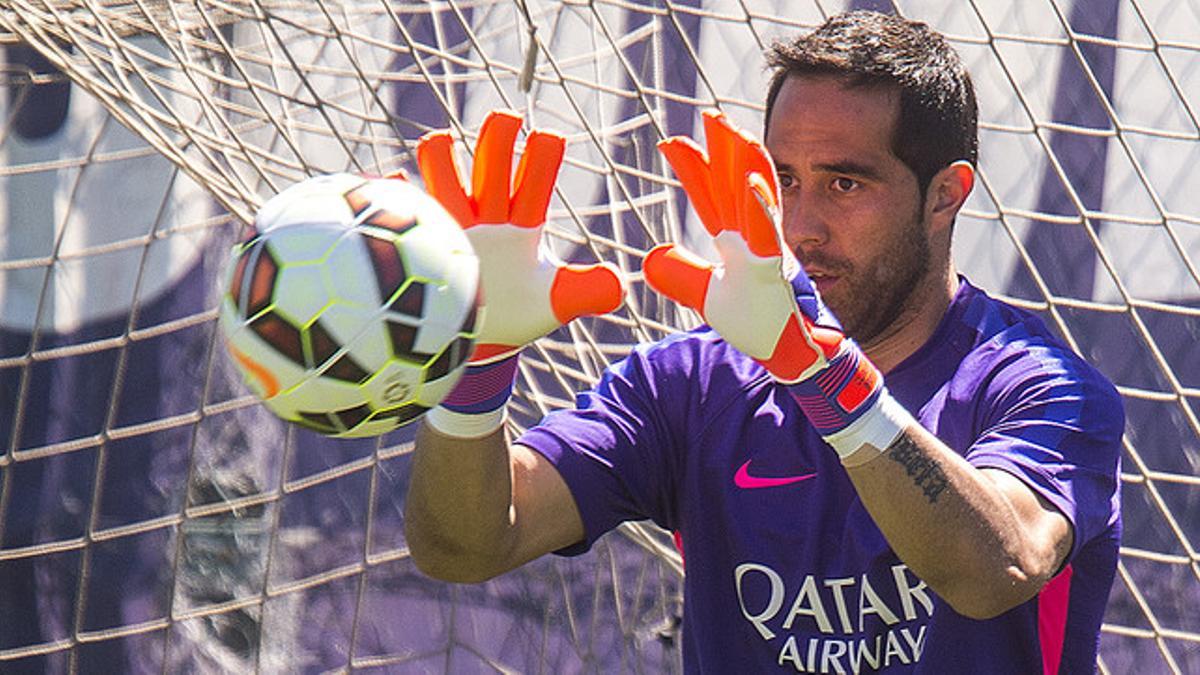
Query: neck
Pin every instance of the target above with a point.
(916, 323)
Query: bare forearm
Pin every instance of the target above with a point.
(952, 525)
(457, 514)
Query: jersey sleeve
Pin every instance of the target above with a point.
(617, 450)
(1056, 423)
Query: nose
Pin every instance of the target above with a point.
(803, 225)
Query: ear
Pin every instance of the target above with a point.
(948, 192)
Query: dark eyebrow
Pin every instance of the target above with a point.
(850, 168)
(781, 167)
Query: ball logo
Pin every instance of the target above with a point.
(397, 389)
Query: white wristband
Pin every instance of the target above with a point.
(463, 425)
(870, 435)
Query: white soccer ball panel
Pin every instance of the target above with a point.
(348, 272)
(318, 396)
(300, 292)
(314, 200)
(360, 331)
(375, 427)
(447, 306)
(435, 249)
(396, 384)
(310, 243)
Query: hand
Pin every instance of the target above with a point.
(527, 292)
(758, 297)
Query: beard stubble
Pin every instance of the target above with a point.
(873, 295)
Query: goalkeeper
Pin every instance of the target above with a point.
(930, 485)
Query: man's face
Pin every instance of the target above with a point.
(852, 212)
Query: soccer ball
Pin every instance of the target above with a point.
(351, 307)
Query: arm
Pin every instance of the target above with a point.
(981, 538)
(478, 506)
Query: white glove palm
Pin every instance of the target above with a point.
(527, 292)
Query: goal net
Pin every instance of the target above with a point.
(154, 518)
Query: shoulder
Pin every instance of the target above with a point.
(991, 320)
(1028, 370)
(1016, 342)
(1012, 362)
(1024, 377)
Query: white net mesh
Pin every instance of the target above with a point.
(153, 518)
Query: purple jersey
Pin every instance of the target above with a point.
(786, 571)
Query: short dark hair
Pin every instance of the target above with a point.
(938, 120)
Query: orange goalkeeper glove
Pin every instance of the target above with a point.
(759, 298)
(527, 291)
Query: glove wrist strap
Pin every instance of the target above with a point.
(872, 433)
(849, 406)
(841, 392)
(475, 407)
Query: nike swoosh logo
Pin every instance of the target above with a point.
(744, 480)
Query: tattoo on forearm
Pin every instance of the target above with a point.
(926, 473)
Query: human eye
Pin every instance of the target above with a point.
(786, 180)
(844, 184)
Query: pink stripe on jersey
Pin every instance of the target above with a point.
(1053, 603)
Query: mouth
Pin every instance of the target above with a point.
(823, 281)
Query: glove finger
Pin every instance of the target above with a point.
(490, 179)
(762, 164)
(678, 274)
(758, 216)
(535, 179)
(691, 167)
(728, 169)
(439, 170)
(585, 290)
(758, 160)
